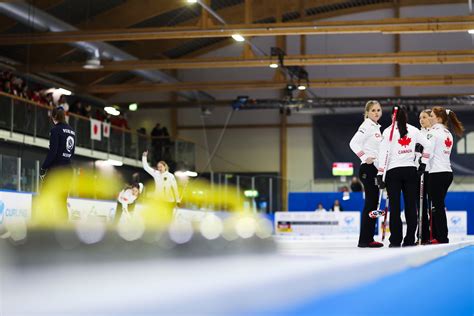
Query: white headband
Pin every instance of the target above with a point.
(448, 111)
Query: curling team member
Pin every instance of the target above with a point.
(365, 144)
(166, 188)
(62, 142)
(401, 175)
(126, 201)
(425, 126)
(441, 174)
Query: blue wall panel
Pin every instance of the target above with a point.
(308, 201)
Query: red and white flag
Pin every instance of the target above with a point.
(96, 129)
(106, 129)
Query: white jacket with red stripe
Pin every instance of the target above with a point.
(366, 141)
(401, 151)
(442, 142)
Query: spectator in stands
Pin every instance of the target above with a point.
(62, 102)
(320, 208)
(7, 87)
(156, 141)
(141, 138)
(100, 115)
(87, 111)
(122, 122)
(48, 99)
(25, 92)
(36, 97)
(336, 207)
(16, 84)
(356, 186)
(76, 108)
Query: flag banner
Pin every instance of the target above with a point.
(96, 130)
(106, 129)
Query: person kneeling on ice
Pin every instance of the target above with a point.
(126, 201)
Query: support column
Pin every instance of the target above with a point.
(398, 90)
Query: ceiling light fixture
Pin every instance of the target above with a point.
(93, 62)
(111, 110)
(238, 37)
(133, 107)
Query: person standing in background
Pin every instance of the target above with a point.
(166, 187)
(401, 175)
(425, 126)
(365, 144)
(336, 207)
(441, 173)
(356, 186)
(320, 208)
(62, 144)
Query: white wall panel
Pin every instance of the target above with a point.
(242, 150)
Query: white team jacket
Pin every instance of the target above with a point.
(166, 187)
(442, 142)
(425, 132)
(402, 150)
(366, 141)
(126, 198)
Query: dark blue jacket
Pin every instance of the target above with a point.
(62, 142)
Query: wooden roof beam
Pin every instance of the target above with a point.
(390, 26)
(407, 81)
(403, 58)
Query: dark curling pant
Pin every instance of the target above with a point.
(402, 179)
(439, 185)
(368, 174)
(425, 225)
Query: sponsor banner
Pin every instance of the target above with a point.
(457, 223)
(181, 214)
(14, 206)
(90, 210)
(317, 223)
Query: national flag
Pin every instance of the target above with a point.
(96, 130)
(106, 129)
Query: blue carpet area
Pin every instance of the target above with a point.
(442, 287)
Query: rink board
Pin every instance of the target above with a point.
(18, 206)
(317, 223)
(348, 223)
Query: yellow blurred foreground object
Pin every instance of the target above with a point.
(50, 206)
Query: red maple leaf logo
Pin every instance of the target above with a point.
(404, 141)
(448, 142)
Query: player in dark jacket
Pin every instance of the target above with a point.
(62, 143)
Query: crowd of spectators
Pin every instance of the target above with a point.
(12, 84)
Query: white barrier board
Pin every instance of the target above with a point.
(457, 223)
(14, 205)
(317, 223)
